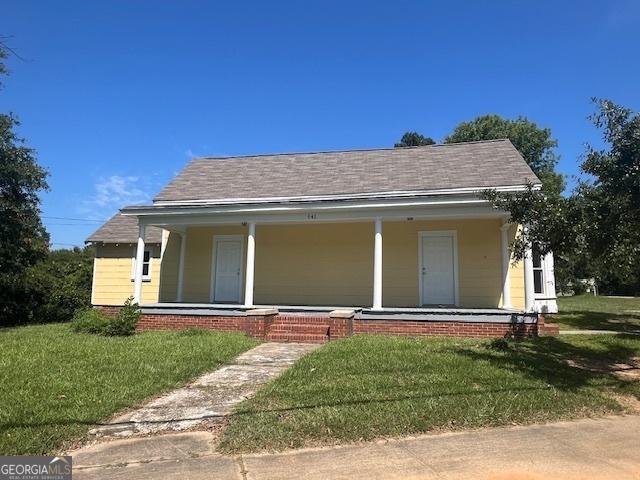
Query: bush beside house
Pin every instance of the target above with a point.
(91, 320)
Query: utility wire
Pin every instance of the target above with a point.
(75, 219)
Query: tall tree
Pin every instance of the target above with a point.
(414, 139)
(23, 239)
(534, 143)
(595, 229)
(610, 196)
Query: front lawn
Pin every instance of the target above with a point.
(57, 384)
(366, 387)
(586, 312)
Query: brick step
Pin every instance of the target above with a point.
(297, 337)
(548, 330)
(299, 328)
(301, 320)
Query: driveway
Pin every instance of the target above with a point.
(606, 448)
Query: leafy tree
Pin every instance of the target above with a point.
(610, 197)
(534, 143)
(23, 239)
(594, 231)
(61, 283)
(414, 139)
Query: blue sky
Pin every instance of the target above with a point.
(117, 96)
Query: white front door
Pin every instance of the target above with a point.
(438, 268)
(228, 270)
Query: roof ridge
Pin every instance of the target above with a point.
(320, 152)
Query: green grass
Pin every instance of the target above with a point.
(56, 384)
(366, 387)
(586, 312)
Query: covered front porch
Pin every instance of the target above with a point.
(365, 264)
(436, 266)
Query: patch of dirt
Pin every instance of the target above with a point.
(625, 371)
(515, 475)
(629, 402)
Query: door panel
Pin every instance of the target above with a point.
(438, 271)
(228, 271)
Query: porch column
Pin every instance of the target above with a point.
(377, 266)
(506, 258)
(137, 279)
(251, 255)
(183, 254)
(529, 290)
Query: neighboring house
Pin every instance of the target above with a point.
(395, 235)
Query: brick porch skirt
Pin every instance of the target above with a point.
(321, 328)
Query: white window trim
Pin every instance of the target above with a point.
(543, 280)
(438, 233)
(212, 283)
(145, 278)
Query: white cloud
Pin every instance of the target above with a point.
(114, 192)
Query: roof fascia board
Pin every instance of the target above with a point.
(173, 221)
(151, 210)
(358, 196)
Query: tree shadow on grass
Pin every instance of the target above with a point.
(584, 320)
(561, 364)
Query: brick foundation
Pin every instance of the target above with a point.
(321, 328)
(454, 329)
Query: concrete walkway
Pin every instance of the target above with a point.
(211, 397)
(606, 448)
(598, 332)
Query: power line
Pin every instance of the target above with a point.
(72, 224)
(75, 219)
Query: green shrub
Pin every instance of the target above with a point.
(90, 320)
(49, 291)
(499, 344)
(125, 322)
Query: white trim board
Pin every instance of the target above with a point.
(351, 196)
(178, 221)
(437, 233)
(212, 280)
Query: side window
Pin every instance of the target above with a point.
(538, 272)
(146, 265)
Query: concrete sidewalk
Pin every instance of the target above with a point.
(606, 448)
(210, 397)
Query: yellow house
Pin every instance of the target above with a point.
(375, 236)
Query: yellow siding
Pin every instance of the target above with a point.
(198, 262)
(113, 284)
(319, 264)
(479, 261)
(516, 277)
(169, 268)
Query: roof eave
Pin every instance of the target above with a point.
(332, 198)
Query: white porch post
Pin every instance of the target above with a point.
(251, 255)
(377, 266)
(137, 279)
(529, 290)
(506, 258)
(183, 254)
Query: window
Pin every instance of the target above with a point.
(538, 272)
(146, 266)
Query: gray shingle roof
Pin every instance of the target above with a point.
(482, 164)
(124, 229)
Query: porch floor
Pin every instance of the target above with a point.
(363, 313)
